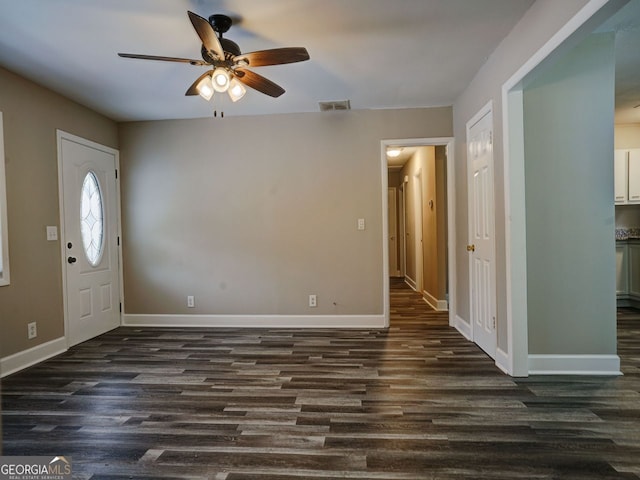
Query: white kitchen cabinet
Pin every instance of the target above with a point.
(634, 269)
(628, 273)
(633, 175)
(620, 165)
(622, 269)
(626, 167)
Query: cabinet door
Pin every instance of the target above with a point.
(633, 173)
(634, 269)
(620, 175)
(622, 271)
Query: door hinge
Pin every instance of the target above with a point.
(494, 323)
(120, 307)
(118, 241)
(116, 173)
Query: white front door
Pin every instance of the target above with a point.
(393, 231)
(481, 242)
(89, 236)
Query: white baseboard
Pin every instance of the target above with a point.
(433, 302)
(411, 282)
(463, 327)
(574, 365)
(502, 361)
(21, 360)
(255, 321)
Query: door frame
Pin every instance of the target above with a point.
(62, 135)
(447, 142)
(487, 109)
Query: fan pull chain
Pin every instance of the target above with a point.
(215, 113)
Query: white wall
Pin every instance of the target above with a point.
(568, 120)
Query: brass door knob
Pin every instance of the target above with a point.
(471, 248)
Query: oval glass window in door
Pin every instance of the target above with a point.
(91, 215)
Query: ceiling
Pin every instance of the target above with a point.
(375, 53)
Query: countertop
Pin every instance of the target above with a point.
(628, 233)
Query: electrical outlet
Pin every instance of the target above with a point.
(191, 301)
(313, 301)
(32, 330)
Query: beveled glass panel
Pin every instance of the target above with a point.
(91, 219)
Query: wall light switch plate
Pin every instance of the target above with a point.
(361, 224)
(52, 233)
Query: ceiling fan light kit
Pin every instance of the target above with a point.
(205, 88)
(230, 73)
(220, 79)
(236, 90)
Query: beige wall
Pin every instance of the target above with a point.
(430, 168)
(441, 223)
(31, 116)
(252, 214)
(627, 135)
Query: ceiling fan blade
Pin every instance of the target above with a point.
(258, 82)
(192, 90)
(164, 59)
(275, 56)
(207, 35)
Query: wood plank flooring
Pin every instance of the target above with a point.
(414, 402)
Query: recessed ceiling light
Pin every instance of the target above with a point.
(394, 152)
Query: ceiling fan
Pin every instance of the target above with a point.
(229, 66)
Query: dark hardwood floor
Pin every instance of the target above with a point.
(414, 402)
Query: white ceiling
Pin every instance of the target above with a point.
(376, 53)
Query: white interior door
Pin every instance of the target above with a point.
(393, 231)
(481, 246)
(89, 197)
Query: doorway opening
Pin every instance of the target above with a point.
(418, 219)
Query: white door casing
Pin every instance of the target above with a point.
(404, 201)
(92, 287)
(481, 245)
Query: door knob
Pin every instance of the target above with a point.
(471, 248)
(71, 259)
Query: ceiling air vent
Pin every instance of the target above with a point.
(337, 105)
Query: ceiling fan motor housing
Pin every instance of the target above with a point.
(220, 23)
